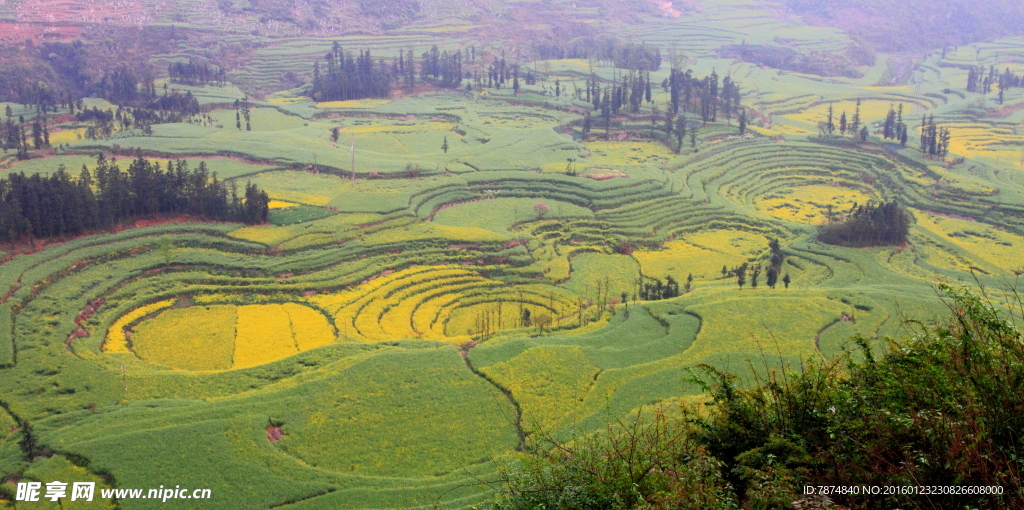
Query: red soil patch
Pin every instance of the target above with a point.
(274, 434)
(1005, 112)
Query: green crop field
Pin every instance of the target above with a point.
(459, 269)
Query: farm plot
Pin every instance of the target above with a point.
(219, 337)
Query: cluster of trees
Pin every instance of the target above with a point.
(979, 81)
(637, 57)
(634, 90)
(653, 289)
(125, 86)
(934, 140)
(346, 76)
(443, 67)
(40, 206)
(169, 108)
(192, 73)
(244, 109)
(703, 96)
(772, 271)
(894, 128)
(742, 271)
(55, 76)
(852, 125)
(868, 225)
(16, 136)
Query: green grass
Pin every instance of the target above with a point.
(394, 422)
(501, 214)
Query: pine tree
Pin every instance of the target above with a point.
(888, 129)
(855, 123)
(842, 123)
(680, 132)
(786, 280)
(741, 274)
(830, 126)
(743, 122)
(444, 145)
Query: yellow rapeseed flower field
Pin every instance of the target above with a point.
(193, 338)
(995, 246)
(280, 204)
(263, 334)
(115, 340)
(309, 327)
(809, 204)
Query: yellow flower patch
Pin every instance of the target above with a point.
(997, 247)
(309, 327)
(355, 103)
(193, 338)
(67, 136)
(870, 111)
(736, 242)
(280, 204)
(974, 140)
(263, 334)
(680, 258)
(116, 340)
(809, 204)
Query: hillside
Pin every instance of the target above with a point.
(487, 222)
(915, 25)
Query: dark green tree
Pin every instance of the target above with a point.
(741, 274)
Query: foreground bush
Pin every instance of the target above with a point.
(941, 408)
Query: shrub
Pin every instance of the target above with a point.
(632, 463)
(941, 408)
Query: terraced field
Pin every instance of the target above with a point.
(408, 322)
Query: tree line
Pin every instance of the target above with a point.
(654, 289)
(979, 81)
(345, 76)
(772, 272)
(934, 140)
(852, 125)
(703, 96)
(637, 57)
(40, 206)
(883, 224)
(197, 74)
